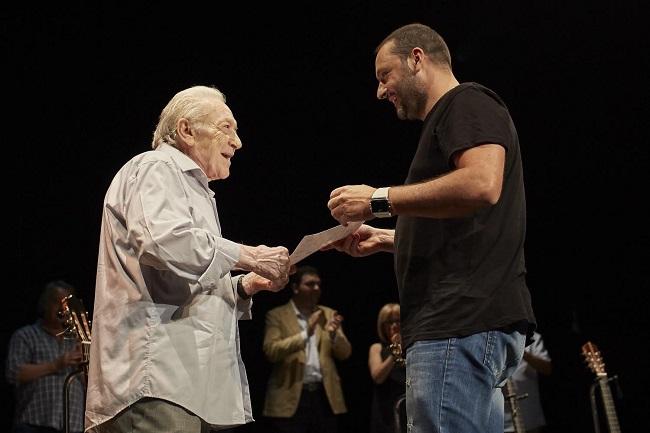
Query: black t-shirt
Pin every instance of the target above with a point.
(460, 276)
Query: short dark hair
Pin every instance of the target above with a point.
(301, 271)
(47, 295)
(418, 35)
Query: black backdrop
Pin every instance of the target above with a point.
(300, 80)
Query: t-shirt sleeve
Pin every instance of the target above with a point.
(474, 118)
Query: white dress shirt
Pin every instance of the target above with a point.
(166, 309)
(525, 379)
(312, 363)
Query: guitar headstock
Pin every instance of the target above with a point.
(594, 359)
(75, 318)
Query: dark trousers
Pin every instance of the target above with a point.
(153, 415)
(314, 414)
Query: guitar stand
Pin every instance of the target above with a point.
(81, 369)
(592, 398)
(397, 414)
(516, 396)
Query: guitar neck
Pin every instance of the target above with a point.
(512, 397)
(608, 403)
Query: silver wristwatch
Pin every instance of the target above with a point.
(380, 204)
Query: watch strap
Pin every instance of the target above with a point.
(240, 290)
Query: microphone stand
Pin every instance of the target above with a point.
(397, 408)
(81, 369)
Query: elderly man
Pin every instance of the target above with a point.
(165, 355)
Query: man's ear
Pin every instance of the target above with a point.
(185, 131)
(415, 59)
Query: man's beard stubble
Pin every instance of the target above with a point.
(412, 100)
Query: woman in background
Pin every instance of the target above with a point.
(387, 370)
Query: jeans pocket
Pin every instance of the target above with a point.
(503, 351)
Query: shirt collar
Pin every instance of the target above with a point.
(295, 309)
(186, 164)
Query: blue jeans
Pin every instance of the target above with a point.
(453, 384)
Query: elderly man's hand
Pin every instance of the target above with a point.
(271, 262)
(268, 262)
(254, 283)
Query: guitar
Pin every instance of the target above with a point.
(512, 397)
(595, 362)
(76, 323)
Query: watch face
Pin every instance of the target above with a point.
(380, 206)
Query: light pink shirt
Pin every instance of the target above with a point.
(166, 309)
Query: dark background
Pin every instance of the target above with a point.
(91, 81)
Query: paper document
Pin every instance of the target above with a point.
(312, 243)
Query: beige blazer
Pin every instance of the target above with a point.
(284, 346)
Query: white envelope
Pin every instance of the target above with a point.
(314, 242)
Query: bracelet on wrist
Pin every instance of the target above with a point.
(240, 290)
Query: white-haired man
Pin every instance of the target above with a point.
(165, 354)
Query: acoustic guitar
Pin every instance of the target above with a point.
(595, 362)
